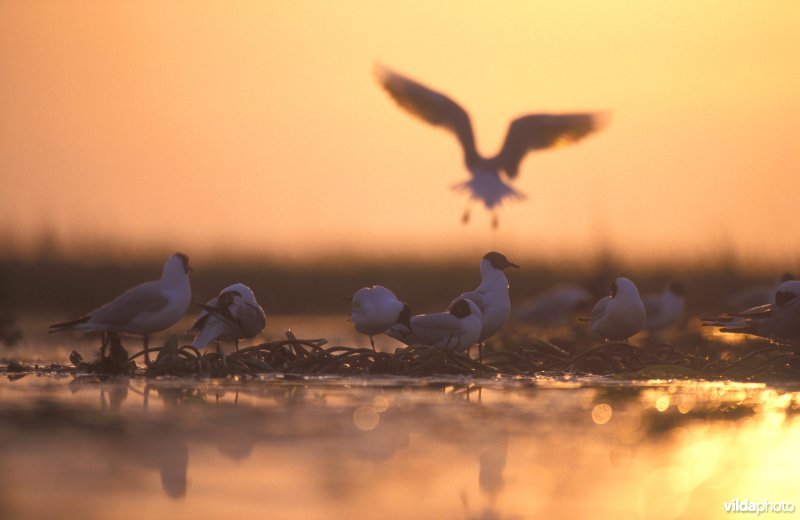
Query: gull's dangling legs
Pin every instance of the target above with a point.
(495, 219)
(372, 342)
(465, 215)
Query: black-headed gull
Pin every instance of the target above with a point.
(622, 314)
(667, 309)
(525, 134)
(778, 321)
(374, 309)
(232, 315)
(554, 307)
(457, 329)
(143, 310)
(491, 296)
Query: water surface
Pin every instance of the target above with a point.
(391, 448)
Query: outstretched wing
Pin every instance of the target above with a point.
(430, 106)
(540, 131)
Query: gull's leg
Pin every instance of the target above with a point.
(372, 342)
(465, 215)
(630, 355)
(495, 219)
(103, 344)
(146, 343)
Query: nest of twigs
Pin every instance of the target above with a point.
(313, 357)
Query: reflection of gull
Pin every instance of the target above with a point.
(527, 133)
(457, 329)
(144, 309)
(667, 309)
(553, 307)
(778, 321)
(232, 315)
(375, 309)
(756, 295)
(491, 296)
(493, 461)
(621, 315)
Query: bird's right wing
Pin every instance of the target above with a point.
(251, 318)
(432, 328)
(540, 131)
(600, 308)
(145, 298)
(740, 321)
(430, 106)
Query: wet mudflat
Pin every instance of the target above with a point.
(388, 447)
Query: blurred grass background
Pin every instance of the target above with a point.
(44, 280)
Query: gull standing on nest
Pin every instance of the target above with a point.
(232, 315)
(142, 310)
(778, 321)
(375, 309)
(457, 329)
(622, 314)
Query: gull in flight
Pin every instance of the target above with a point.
(525, 134)
(667, 309)
(232, 315)
(622, 314)
(778, 321)
(491, 296)
(457, 329)
(375, 309)
(143, 310)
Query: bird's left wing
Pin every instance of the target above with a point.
(540, 131)
(430, 106)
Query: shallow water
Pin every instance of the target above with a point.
(79, 447)
(391, 448)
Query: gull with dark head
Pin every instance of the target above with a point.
(667, 309)
(622, 314)
(375, 309)
(457, 329)
(142, 310)
(489, 175)
(779, 321)
(491, 296)
(232, 315)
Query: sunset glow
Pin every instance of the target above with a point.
(258, 127)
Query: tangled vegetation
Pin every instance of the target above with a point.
(314, 357)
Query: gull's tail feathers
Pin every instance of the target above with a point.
(69, 325)
(489, 189)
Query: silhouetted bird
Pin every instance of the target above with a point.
(525, 134)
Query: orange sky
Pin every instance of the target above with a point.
(231, 126)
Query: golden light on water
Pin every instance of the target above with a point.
(602, 413)
(308, 449)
